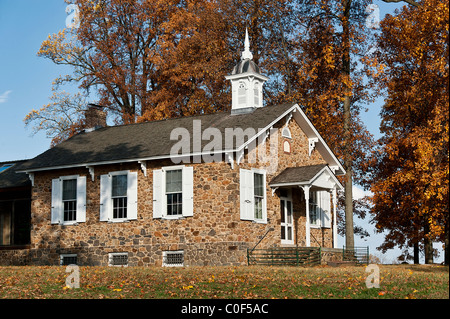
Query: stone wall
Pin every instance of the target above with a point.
(215, 235)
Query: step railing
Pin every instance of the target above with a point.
(284, 256)
(359, 255)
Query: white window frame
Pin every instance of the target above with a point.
(62, 179)
(118, 219)
(165, 170)
(160, 196)
(247, 196)
(320, 201)
(168, 252)
(314, 206)
(57, 203)
(106, 198)
(111, 258)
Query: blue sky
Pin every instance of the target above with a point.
(25, 80)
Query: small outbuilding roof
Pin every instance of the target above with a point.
(9, 178)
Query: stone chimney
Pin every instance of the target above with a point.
(95, 117)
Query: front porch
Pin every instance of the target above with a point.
(307, 206)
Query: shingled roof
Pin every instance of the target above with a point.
(297, 174)
(9, 178)
(143, 141)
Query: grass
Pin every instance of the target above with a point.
(321, 282)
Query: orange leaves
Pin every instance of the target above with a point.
(411, 181)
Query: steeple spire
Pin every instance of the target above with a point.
(246, 83)
(246, 54)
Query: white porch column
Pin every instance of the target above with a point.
(333, 192)
(308, 236)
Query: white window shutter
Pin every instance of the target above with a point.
(246, 194)
(132, 196)
(157, 193)
(325, 209)
(188, 191)
(105, 197)
(81, 199)
(56, 212)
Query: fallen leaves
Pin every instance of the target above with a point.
(223, 282)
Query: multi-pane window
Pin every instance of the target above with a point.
(253, 195)
(119, 196)
(69, 198)
(174, 192)
(314, 212)
(259, 194)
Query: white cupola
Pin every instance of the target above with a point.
(246, 82)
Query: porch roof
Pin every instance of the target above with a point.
(319, 176)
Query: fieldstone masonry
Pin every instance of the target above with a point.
(214, 235)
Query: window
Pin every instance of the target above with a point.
(173, 258)
(118, 259)
(68, 200)
(173, 192)
(314, 212)
(253, 195)
(118, 196)
(68, 259)
(259, 195)
(319, 209)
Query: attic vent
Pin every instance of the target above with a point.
(118, 259)
(286, 132)
(173, 258)
(68, 259)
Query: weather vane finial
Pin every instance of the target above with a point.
(246, 54)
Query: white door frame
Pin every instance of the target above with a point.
(287, 218)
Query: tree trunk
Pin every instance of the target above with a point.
(416, 253)
(349, 236)
(446, 243)
(428, 245)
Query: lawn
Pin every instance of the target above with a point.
(321, 282)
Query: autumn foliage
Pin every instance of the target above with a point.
(411, 166)
(151, 60)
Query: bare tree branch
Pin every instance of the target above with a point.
(411, 2)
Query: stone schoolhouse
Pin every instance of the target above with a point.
(140, 195)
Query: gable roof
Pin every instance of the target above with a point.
(305, 175)
(151, 140)
(297, 174)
